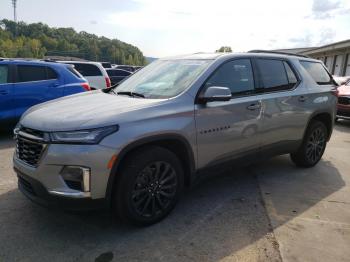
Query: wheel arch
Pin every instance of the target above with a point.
(173, 142)
(324, 117)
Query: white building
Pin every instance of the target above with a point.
(336, 56)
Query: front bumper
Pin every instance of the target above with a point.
(44, 184)
(35, 191)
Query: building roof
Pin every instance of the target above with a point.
(329, 47)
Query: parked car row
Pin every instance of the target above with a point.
(26, 83)
(94, 72)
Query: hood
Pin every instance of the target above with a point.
(83, 111)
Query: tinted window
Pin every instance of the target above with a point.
(51, 74)
(276, 74)
(118, 73)
(3, 74)
(236, 75)
(292, 79)
(317, 72)
(106, 65)
(28, 73)
(88, 69)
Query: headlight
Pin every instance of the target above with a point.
(91, 136)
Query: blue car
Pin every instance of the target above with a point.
(25, 83)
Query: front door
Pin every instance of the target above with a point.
(228, 130)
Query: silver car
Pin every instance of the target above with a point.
(134, 147)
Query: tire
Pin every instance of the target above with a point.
(148, 186)
(313, 146)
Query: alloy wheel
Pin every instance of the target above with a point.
(154, 190)
(315, 145)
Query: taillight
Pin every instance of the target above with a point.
(86, 86)
(108, 82)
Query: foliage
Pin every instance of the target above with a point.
(38, 40)
(224, 49)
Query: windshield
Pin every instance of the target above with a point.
(163, 78)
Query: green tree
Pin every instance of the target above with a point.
(37, 40)
(224, 49)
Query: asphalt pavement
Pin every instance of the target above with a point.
(271, 211)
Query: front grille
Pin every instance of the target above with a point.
(26, 185)
(344, 100)
(30, 146)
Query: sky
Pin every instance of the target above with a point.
(171, 27)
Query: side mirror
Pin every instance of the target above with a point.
(215, 93)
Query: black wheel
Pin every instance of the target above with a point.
(313, 146)
(149, 186)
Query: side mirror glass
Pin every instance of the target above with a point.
(216, 93)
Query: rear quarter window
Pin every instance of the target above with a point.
(74, 72)
(88, 69)
(51, 73)
(317, 71)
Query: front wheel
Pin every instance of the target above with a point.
(149, 186)
(313, 146)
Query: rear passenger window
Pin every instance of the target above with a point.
(236, 75)
(51, 74)
(3, 74)
(28, 73)
(88, 69)
(274, 74)
(317, 72)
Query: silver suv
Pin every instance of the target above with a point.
(135, 147)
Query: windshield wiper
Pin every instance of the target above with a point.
(132, 94)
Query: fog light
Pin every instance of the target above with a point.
(77, 177)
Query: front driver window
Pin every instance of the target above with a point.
(236, 75)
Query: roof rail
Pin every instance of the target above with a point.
(276, 52)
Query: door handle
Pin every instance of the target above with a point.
(302, 98)
(254, 106)
(3, 92)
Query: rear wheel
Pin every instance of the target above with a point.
(313, 146)
(149, 186)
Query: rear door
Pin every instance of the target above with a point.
(230, 129)
(7, 112)
(283, 98)
(55, 82)
(32, 87)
